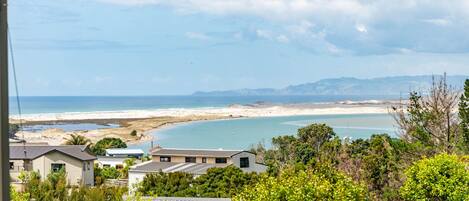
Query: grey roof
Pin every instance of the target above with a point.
(20, 152)
(195, 152)
(193, 168)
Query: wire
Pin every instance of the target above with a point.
(15, 79)
(18, 102)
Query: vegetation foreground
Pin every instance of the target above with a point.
(429, 161)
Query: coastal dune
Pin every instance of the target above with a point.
(235, 110)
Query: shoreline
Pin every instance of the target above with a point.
(146, 122)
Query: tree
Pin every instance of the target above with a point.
(223, 182)
(381, 165)
(76, 139)
(127, 164)
(430, 120)
(316, 135)
(443, 177)
(464, 117)
(107, 143)
(174, 184)
(304, 185)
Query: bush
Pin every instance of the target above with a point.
(443, 177)
(304, 185)
(110, 173)
(133, 133)
(174, 184)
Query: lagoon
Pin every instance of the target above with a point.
(242, 133)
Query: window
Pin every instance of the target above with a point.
(106, 165)
(204, 160)
(190, 159)
(89, 165)
(12, 165)
(244, 162)
(220, 160)
(119, 166)
(165, 159)
(55, 167)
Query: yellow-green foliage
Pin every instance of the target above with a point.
(443, 177)
(304, 185)
(16, 196)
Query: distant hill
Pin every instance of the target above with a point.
(347, 86)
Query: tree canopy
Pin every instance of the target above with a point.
(107, 143)
(299, 185)
(442, 177)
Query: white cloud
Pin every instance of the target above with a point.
(282, 39)
(275, 9)
(438, 22)
(345, 25)
(361, 28)
(197, 36)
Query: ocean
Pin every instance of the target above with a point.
(60, 104)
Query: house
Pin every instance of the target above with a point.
(44, 159)
(116, 157)
(194, 161)
(125, 153)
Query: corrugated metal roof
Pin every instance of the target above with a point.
(195, 152)
(34, 151)
(193, 168)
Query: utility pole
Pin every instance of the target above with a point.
(4, 123)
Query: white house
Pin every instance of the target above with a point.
(116, 157)
(194, 161)
(128, 153)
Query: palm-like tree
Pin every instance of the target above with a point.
(76, 139)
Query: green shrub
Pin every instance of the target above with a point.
(133, 133)
(443, 177)
(304, 185)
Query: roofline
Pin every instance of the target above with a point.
(71, 155)
(242, 152)
(198, 149)
(52, 151)
(192, 155)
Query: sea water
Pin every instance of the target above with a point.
(60, 104)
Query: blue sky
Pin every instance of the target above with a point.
(157, 47)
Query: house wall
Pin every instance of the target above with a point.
(253, 166)
(17, 168)
(112, 162)
(182, 159)
(78, 172)
(134, 179)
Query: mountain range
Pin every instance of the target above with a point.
(348, 86)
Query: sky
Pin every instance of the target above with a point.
(172, 47)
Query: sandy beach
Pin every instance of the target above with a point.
(144, 121)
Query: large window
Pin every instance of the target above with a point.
(12, 165)
(190, 159)
(244, 162)
(204, 160)
(165, 159)
(55, 167)
(220, 160)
